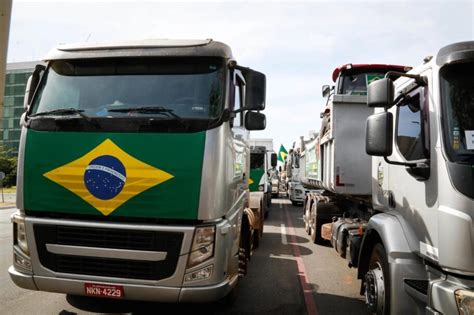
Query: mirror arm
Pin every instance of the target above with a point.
(398, 163)
(233, 65)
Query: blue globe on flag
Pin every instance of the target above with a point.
(105, 177)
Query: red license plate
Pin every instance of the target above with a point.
(104, 290)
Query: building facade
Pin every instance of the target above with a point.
(17, 75)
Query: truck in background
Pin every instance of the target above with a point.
(148, 198)
(403, 217)
(263, 160)
(296, 169)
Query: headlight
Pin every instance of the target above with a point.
(260, 188)
(203, 245)
(19, 233)
(465, 301)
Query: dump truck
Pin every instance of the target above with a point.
(262, 160)
(133, 171)
(296, 169)
(398, 175)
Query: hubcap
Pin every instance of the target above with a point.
(375, 290)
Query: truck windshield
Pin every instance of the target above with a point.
(167, 88)
(355, 82)
(257, 160)
(457, 90)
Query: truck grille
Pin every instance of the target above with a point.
(169, 242)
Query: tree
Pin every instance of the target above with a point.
(8, 163)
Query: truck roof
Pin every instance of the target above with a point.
(368, 66)
(141, 48)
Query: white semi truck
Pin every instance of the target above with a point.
(262, 160)
(133, 171)
(403, 217)
(296, 169)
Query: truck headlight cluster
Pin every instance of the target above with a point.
(19, 233)
(203, 245)
(465, 301)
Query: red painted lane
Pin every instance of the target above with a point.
(307, 291)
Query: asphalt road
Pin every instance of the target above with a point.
(287, 275)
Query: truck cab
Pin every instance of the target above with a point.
(423, 177)
(133, 171)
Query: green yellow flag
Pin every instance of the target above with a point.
(282, 154)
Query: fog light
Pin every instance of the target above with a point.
(201, 274)
(22, 262)
(465, 301)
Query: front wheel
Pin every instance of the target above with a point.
(377, 282)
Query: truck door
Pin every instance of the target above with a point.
(413, 191)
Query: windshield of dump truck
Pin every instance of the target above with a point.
(165, 88)
(355, 82)
(457, 90)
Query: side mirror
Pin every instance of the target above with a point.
(31, 85)
(379, 134)
(326, 89)
(255, 83)
(274, 160)
(255, 121)
(380, 93)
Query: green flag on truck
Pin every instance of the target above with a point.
(282, 154)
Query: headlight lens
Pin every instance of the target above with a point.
(203, 245)
(260, 188)
(465, 301)
(19, 231)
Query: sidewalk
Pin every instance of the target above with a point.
(9, 200)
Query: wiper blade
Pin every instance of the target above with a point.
(60, 112)
(67, 111)
(146, 110)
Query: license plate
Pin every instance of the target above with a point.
(104, 290)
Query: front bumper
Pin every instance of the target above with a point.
(442, 295)
(132, 291)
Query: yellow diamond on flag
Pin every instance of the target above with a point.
(107, 177)
(250, 181)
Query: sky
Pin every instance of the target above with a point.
(297, 44)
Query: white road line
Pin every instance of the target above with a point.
(283, 235)
(281, 205)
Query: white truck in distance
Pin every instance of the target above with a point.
(405, 215)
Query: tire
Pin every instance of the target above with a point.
(315, 224)
(378, 275)
(307, 226)
(245, 246)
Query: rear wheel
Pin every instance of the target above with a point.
(377, 282)
(307, 226)
(315, 224)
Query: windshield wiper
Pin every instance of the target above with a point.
(65, 112)
(61, 112)
(147, 110)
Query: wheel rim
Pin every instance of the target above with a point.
(375, 290)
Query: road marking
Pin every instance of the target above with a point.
(281, 205)
(307, 291)
(283, 235)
